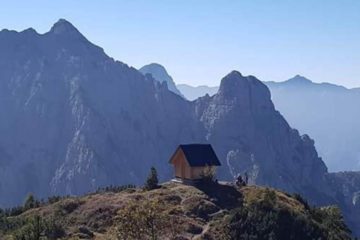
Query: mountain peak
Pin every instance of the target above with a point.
(160, 74)
(155, 65)
(63, 27)
(298, 79)
(157, 70)
(247, 91)
(234, 74)
(30, 31)
(235, 81)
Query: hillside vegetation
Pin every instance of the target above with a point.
(175, 211)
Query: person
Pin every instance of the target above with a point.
(239, 181)
(246, 178)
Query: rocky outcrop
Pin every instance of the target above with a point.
(250, 136)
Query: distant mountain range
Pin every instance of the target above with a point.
(325, 111)
(328, 113)
(191, 93)
(75, 119)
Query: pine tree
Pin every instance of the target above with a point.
(152, 180)
(30, 202)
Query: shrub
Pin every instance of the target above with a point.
(54, 199)
(36, 228)
(300, 199)
(331, 218)
(265, 220)
(115, 189)
(141, 221)
(68, 206)
(269, 199)
(208, 175)
(53, 230)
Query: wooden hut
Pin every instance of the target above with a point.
(191, 160)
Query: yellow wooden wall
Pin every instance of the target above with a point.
(183, 169)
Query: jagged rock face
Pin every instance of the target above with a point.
(76, 119)
(323, 110)
(160, 74)
(251, 136)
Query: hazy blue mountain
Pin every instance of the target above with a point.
(160, 74)
(325, 111)
(75, 119)
(328, 113)
(191, 93)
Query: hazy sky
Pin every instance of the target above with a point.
(201, 41)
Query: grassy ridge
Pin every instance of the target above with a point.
(176, 211)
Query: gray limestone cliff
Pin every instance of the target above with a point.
(251, 136)
(74, 119)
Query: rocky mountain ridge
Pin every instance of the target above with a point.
(323, 110)
(74, 116)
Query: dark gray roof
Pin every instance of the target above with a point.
(199, 155)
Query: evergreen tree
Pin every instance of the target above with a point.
(152, 180)
(30, 202)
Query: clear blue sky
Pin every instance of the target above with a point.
(200, 41)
